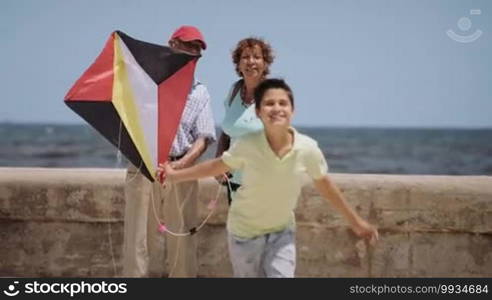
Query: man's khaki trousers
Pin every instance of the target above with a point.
(146, 251)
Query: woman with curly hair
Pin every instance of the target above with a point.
(252, 58)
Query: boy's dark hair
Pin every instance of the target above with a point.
(272, 83)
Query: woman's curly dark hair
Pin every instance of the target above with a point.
(250, 42)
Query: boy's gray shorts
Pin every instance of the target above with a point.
(269, 255)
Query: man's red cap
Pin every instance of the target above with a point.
(188, 33)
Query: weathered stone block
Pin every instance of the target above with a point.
(58, 222)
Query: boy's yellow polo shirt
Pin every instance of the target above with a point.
(266, 200)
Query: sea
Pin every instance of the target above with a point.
(347, 150)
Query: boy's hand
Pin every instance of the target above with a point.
(367, 231)
(221, 179)
(161, 174)
(164, 171)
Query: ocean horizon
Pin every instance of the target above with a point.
(348, 149)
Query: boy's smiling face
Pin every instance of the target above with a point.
(275, 109)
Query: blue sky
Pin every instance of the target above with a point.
(350, 63)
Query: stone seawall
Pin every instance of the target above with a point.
(69, 223)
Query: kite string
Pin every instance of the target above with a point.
(110, 232)
(118, 162)
(164, 229)
(118, 154)
(181, 214)
(137, 172)
(181, 208)
(111, 240)
(181, 227)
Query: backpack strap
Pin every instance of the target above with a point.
(196, 83)
(237, 87)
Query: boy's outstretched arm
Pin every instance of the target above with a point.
(209, 168)
(327, 188)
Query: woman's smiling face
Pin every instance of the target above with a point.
(252, 63)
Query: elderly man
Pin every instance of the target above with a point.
(144, 247)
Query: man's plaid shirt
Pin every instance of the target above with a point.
(197, 121)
